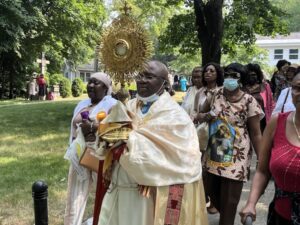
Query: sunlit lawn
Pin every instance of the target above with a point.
(33, 139)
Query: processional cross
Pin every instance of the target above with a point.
(43, 63)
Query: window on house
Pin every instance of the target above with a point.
(278, 54)
(293, 54)
(87, 77)
(82, 76)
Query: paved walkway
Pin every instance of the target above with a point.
(261, 208)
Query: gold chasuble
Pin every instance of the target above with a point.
(163, 153)
(163, 147)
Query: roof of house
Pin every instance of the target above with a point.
(279, 40)
(90, 66)
(293, 35)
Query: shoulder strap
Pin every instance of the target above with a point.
(279, 135)
(287, 94)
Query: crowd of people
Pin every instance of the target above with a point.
(245, 113)
(159, 174)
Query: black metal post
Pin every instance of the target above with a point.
(40, 194)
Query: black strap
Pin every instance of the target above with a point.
(287, 94)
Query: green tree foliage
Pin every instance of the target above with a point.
(63, 29)
(246, 55)
(65, 87)
(184, 63)
(154, 16)
(292, 18)
(54, 79)
(221, 26)
(77, 87)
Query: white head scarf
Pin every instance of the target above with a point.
(105, 78)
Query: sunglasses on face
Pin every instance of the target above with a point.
(95, 82)
(234, 75)
(252, 74)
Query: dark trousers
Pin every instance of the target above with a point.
(280, 220)
(225, 195)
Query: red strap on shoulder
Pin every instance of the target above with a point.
(279, 136)
(100, 192)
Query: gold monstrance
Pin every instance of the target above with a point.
(125, 47)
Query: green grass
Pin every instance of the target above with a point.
(33, 137)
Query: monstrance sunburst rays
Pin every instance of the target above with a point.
(124, 48)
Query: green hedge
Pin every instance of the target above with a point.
(54, 79)
(77, 87)
(65, 87)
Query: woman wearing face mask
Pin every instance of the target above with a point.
(237, 123)
(280, 158)
(254, 85)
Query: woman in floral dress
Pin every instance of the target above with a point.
(236, 124)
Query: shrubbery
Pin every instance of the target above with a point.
(77, 87)
(65, 87)
(54, 79)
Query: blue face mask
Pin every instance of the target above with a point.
(231, 84)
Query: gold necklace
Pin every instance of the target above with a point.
(296, 126)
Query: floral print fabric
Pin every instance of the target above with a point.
(235, 114)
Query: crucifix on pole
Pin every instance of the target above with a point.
(43, 63)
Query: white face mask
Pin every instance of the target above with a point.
(151, 98)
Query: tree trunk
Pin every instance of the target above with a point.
(210, 25)
(11, 85)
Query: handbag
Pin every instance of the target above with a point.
(203, 135)
(89, 160)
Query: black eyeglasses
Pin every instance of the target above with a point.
(234, 75)
(147, 77)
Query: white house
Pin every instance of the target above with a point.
(281, 47)
(83, 71)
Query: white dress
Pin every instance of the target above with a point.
(78, 189)
(189, 99)
(123, 196)
(288, 104)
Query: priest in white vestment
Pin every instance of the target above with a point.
(157, 179)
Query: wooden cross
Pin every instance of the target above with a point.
(43, 63)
